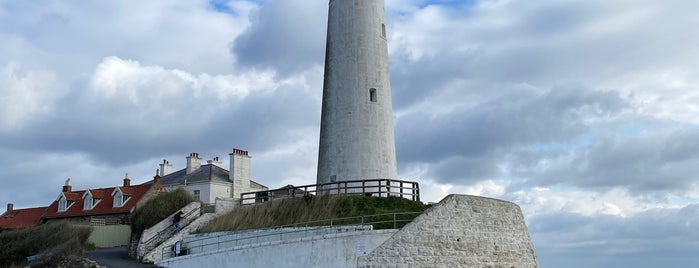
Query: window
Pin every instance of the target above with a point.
(119, 199)
(372, 95)
(88, 203)
(62, 205)
(197, 194)
(383, 30)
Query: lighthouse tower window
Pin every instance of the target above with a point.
(372, 95)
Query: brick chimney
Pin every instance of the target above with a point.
(10, 207)
(215, 162)
(156, 181)
(67, 187)
(165, 168)
(239, 172)
(127, 181)
(193, 162)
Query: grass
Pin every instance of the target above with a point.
(287, 211)
(55, 241)
(159, 208)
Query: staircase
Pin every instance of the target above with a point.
(165, 229)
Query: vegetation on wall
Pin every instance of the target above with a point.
(52, 242)
(159, 208)
(286, 211)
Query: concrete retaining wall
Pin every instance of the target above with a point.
(201, 243)
(340, 250)
(460, 231)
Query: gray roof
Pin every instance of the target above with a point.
(204, 173)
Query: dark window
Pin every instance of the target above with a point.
(383, 30)
(372, 95)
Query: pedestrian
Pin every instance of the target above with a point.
(176, 220)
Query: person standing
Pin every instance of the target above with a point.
(176, 220)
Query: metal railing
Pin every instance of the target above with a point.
(169, 231)
(384, 221)
(376, 187)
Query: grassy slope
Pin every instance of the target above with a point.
(296, 210)
(60, 239)
(158, 208)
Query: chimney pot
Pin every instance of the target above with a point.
(67, 187)
(165, 168)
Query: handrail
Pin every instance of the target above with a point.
(379, 187)
(311, 225)
(168, 232)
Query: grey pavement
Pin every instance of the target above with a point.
(114, 258)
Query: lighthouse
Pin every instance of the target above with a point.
(356, 133)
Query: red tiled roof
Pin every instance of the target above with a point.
(100, 193)
(20, 218)
(73, 196)
(105, 206)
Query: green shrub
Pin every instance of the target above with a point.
(292, 210)
(53, 242)
(159, 208)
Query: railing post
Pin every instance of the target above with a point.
(394, 220)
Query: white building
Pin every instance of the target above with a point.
(211, 180)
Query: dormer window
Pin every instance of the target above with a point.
(119, 198)
(64, 204)
(87, 202)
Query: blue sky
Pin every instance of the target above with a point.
(584, 113)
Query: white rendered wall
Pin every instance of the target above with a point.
(239, 172)
(356, 136)
(332, 251)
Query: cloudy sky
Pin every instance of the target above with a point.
(585, 113)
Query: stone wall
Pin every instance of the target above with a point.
(460, 231)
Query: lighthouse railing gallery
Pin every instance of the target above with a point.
(374, 187)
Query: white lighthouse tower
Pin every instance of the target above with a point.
(356, 133)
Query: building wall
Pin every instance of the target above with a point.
(460, 231)
(110, 236)
(219, 189)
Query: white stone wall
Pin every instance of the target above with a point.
(357, 136)
(219, 189)
(460, 231)
(335, 251)
(224, 205)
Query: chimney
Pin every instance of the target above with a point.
(165, 168)
(193, 162)
(10, 207)
(67, 187)
(127, 181)
(156, 181)
(215, 162)
(239, 172)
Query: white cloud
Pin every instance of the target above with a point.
(25, 94)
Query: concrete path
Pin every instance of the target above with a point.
(114, 258)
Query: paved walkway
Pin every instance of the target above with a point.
(114, 258)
